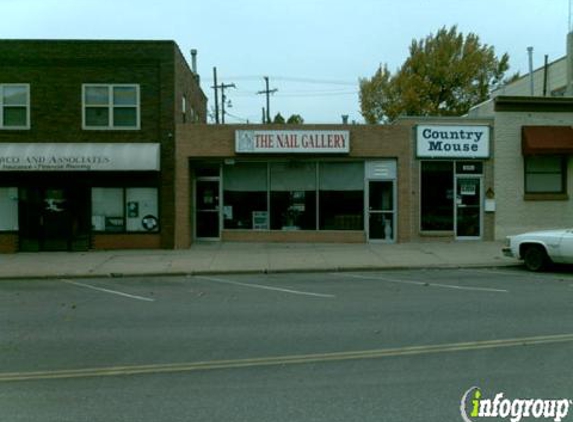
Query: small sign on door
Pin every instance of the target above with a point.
(468, 188)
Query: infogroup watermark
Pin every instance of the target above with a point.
(474, 406)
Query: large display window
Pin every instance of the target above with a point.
(437, 207)
(118, 210)
(293, 195)
(341, 196)
(245, 196)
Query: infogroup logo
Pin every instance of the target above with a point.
(473, 407)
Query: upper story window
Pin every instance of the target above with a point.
(110, 106)
(14, 106)
(184, 108)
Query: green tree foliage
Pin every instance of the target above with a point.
(445, 75)
(295, 119)
(279, 119)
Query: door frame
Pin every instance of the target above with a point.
(218, 211)
(479, 177)
(367, 211)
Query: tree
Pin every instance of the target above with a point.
(445, 75)
(295, 119)
(279, 119)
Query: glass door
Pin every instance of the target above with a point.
(207, 205)
(468, 208)
(381, 211)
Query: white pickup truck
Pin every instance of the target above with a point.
(539, 249)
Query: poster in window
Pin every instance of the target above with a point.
(228, 212)
(260, 220)
(133, 209)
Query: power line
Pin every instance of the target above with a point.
(282, 94)
(324, 94)
(295, 79)
(238, 118)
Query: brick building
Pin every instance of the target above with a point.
(88, 142)
(534, 174)
(104, 144)
(335, 183)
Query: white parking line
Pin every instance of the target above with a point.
(115, 292)
(423, 283)
(260, 286)
(499, 272)
(525, 274)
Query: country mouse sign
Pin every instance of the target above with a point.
(433, 141)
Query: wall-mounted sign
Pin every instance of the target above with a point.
(433, 141)
(292, 141)
(79, 157)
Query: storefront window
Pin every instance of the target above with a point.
(437, 187)
(8, 209)
(107, 210)
(245, 196)
(341, 196)
(124, 209)
(545, 174)
(293, 196)
(141, 210)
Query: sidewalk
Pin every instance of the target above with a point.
(220, 258)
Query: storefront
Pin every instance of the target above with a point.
(455, 181)
(65, 196)
(297, 185)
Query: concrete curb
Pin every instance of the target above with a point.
(260, 271)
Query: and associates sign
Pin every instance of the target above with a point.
(79, 157)
(440, 141)
(292, 141)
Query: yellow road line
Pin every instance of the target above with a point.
(281, 360)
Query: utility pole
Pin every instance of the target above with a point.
(223, 99)
(215, 87)
(268, 91)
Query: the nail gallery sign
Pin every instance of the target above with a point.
(292, 141)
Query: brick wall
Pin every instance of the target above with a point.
(56, 71)
(322, 236)
(513, 213)
(8, 242)
(126, 241)
(197, 142)
(186, 84)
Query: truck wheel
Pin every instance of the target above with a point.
(535, 258)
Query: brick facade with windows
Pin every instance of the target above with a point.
(55, 72)
(517, 209)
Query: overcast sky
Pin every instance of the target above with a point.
(314, 51)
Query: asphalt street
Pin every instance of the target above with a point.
(357, 346)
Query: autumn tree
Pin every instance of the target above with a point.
(445, 75)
